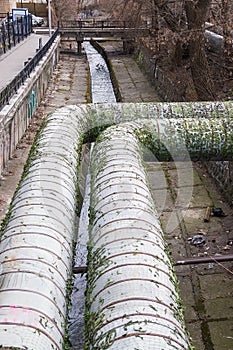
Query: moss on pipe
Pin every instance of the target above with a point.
(33, 154)
(99, 114)
(203, 130)
(102, 311)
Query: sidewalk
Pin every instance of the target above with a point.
(12, 62)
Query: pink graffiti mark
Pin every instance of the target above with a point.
(12, 308)
(22, 314)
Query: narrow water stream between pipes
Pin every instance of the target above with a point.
(101, 91)
(76, 315)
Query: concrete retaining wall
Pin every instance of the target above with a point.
(165, 87)
(222, 173)
(15, 117)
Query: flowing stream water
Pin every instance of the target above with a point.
(101, 92)
(101, 85)
(76, 315)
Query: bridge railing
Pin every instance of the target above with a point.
(99, 24)
(14, 85)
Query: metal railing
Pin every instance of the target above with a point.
(12, 32)
(100, 24)
(14, 85)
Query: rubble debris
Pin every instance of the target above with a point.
(197, 240)
(218, 212)
(207, 214)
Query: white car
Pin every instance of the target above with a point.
(37, 21)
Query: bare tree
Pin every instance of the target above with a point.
(183, 27)
(197, 12)
(227, 26)
(178, 34)
(62, 9)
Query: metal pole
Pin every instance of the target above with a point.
(204, 260)
(79, 269)
(49, 17)
(8, 29)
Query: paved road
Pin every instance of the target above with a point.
(12, 62)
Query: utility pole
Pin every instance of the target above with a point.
(49, 16)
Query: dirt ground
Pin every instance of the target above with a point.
(206, 289)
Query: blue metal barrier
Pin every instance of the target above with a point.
(12, 32)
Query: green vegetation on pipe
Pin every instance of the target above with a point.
(121, 112)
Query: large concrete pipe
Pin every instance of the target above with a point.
(36, 245)
(132, 298)
(36, 242)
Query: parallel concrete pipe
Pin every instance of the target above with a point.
(36, 246)
(38, 232)
(132, 298)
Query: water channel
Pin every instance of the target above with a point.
(210, 278)
(101, 91)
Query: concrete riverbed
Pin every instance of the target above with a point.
(206, 289)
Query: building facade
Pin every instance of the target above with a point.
(7, 5)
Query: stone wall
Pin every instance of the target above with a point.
(165, 87)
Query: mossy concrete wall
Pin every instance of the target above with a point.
(16, 116)
(167, 89)
(222, 173)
